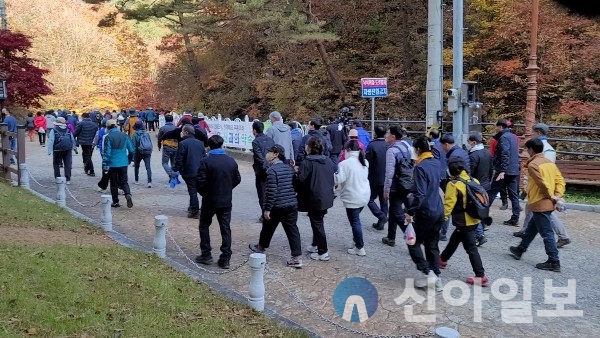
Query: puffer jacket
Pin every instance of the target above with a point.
(85, 132)
(40, 122)
(280, 192)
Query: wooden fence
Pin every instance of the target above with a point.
(6, 169)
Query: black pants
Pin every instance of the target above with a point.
(510, 182)
(396, 213)
(466, 236)
(86, 154)
(137, 159)
(224, 219)
(118, 179)
(260, 183)
(65, 158)
(42, 138)
(288, 218)
(427, 230)
(104, 180)
(191, 186)
(381, 211)
(317, 224)
(150, 126)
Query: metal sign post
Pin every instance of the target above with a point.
(372, 88)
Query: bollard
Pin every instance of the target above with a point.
(106, 212)
(159, 246)
(24, 182)
(257, 285)
(446, 332)
(61, 197)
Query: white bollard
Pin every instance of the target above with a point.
(24, 182)
(446, 332)
(257, 285)
(159, 246)
(61, 196)
(106, 212)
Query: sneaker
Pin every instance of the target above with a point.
(295, 262)
(486, 227)
(256, 248)
(357, 251)
(115, 205)
(481, 240)
(317, 257)
(548, 265)
(483, 281)
(98, 189)
(68, 182)
(443, 238)
(223, 264)
(91, 174)
(439, 286)
(443, 264)
(518, 234)
(312, 249)
(204, 260)
(516, 252)
(129, 201)
(136, 182)
(149, 184)
(504, 205)
(562, 242)
(512, 221)
(388, 241)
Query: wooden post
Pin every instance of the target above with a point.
(5, 146)
(20, 150)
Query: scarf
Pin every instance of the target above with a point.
(477, 147)
(424, 156)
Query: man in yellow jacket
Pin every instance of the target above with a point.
(545, 187)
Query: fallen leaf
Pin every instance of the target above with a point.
(32, 331)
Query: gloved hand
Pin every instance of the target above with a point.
(174, 180)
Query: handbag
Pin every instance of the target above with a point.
(41, 130)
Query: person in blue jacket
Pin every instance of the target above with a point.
(363, 135)
(117, 148)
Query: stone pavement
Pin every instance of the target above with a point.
(385, 267)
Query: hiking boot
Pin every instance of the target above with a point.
(256, 248)
(204, 260)
(481, 240)
(312, 249)
(129, 201)
(380, 224)
(483, 281)
(518, 234)
(388, 241)
(317, 257)
(223, 264)
(295, 262)
(115, 205)
(516, 252)
(512, 221)
(91, 174)
(562, 242)
(193, 215)
(504, 205)
(443, 264)
(548, 265)
(357, 251)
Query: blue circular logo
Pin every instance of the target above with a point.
(355, 299)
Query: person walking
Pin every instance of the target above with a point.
(363, 135)
(545, 186)
(40, 126)
(142, 145)
(375, 155)
(61, 148)
(84, 134)
(281, 206)
(482, 169)
(455, 204)
(296, 131)
(314, 129)
(99, 142)
(130, 122)
(260, 146)
(117, 149)
(150, 117)
(50, 118)
(218, 175)
(11, 121)
(352, 178)
(169, 146)
(315, 193)
(190, 153)
(338, 138)
(30, 126)
(282, 135)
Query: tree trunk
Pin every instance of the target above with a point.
(330, 70)
(189, 51)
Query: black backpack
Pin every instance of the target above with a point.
(478, 202)
(404, 169)
(62, 140)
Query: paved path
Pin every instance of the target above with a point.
(385, 267)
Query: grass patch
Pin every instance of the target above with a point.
(582, 196)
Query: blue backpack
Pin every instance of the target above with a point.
(63, 140)
(145, 146)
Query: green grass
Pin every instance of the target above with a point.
(587, 196)
(106, 291)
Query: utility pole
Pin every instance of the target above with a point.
(457, 70)
(532, 72)
(3, 14)
(434, 97)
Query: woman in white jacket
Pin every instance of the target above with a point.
(352, 179)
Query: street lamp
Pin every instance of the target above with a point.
(532, 72)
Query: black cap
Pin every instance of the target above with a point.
(277, 149)
(502, 122)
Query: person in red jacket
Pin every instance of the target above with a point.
(39, 121)
(493, 145)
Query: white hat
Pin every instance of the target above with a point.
(201, 116)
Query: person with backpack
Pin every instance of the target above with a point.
(190, 153)
(482, 169)
(260, 146)
(142, 145)
(398, 183)
(456, 203)
(30, 126)
(40, 126)
(117, 148)
(61, 148)
(84, 134)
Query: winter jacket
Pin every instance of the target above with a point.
(150, 115)
(52, 136)
(135, 140)
(390, 162)
(455, 206)
(73, 119)
(29, 124)
(296, 139)
(260, 146)
(175, 134)
(363, 135)
(279, 192)
(168, 143)
(459, 153)
(481, 166)
(343, 154)
(302, 149)
(39, 122)
(315, 183)
(131, 120)
(281, 134)
(99, 140)
(117, 147)
(544, 182)
(506, 158)
(375, 154)
(353, 180)
(50, 121)
(426, 201)
(439, 154)
(85, 132)
(190, 153)
(338, 137)
(494, 144)
(218, 175)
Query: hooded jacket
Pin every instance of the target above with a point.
(455, 201)
(481, 166)
(40, 122)
(302, 149)
(353, 180)
(282, 135)
(316, 182)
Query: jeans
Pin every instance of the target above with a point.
(118, 179)
(168, 158)
(354, 218)
(137, 158)
(317, 225)
(260, 182)
(13, 146)
(479, 231)
(466, 236)
(557, 225)
(427, 230)
(511, 182)
(65, 158)
(191, 186)
(288, 218)
(444, 229)
(42, 138)
(396, 213)
(540, 223)
(380, 211)
(86, 154)
(224, 219)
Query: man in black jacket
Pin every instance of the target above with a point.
(314, 129)
(375, 154)
(337, 135)
(482, 170)
(190, 153)
(199, 133)
(260, 146)
(84, 134)
(218, 175)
